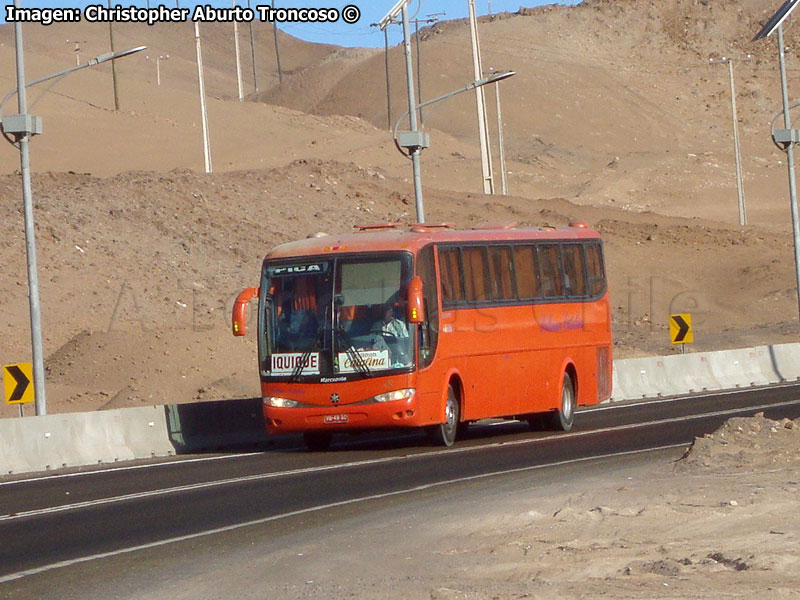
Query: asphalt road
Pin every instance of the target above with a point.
(55, 522)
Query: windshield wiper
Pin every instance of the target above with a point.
(353, 354)
(319, 337)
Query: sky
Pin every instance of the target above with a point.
(358, 34)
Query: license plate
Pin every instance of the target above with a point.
(334, 419)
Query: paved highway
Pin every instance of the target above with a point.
(61, 520)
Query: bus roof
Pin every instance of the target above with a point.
(412, 238)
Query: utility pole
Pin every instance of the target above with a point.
(432, 19)
(253, 53)
(77, 50)
(113, 64)
(388, 81)
(206, 141)
(158, 67)
(277, 50)
(500, 140)
(238, 56)
(737, 152)
(483, 129)
(736, 141)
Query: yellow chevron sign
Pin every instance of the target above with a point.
(680, 329)
(17, 381)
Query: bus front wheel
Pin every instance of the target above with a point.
(445, 433)
(563, 418)
(317, 441)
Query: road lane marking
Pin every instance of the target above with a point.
(711, 394)
(127, 468)
(371, 462)
(179, 461)
(294, 513)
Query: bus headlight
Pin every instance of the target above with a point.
(280, 402)
(393, 396)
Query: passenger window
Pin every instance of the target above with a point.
(574, 273)
(450, 268)
(526, 273)
(501, 272)
(549, 256)
(596, 270)
(475, 274)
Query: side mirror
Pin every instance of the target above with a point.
(416, 302)
(240, 311)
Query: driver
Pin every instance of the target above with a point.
(389, 324)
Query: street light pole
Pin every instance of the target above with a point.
(412, 114)
(787, 121)
(22, 126)
(414, 141)
(40, 398)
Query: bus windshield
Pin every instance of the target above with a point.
(335, 317)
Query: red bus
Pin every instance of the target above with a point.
(429, 327)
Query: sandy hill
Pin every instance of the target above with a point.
(615, 117)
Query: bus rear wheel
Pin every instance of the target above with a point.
(317, 441)
(445, 434)
(563, 418)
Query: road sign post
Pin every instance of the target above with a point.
(680, 330)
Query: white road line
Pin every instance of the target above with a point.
(228, 528)
(373, 461)
(178, 462)
(710, 394)
(128, 468)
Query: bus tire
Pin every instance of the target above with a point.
(445, 434)
(317, 441)
(563, 418)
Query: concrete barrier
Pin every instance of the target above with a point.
(637, 378)
(80, 439)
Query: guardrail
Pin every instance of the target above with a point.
(81, 439)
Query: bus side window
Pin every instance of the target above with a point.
(550, 264)
(429, 330)
(527, 274)
(476, 273)
(450, 270)
(501, 273)
(595, 269)
(574, 273)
